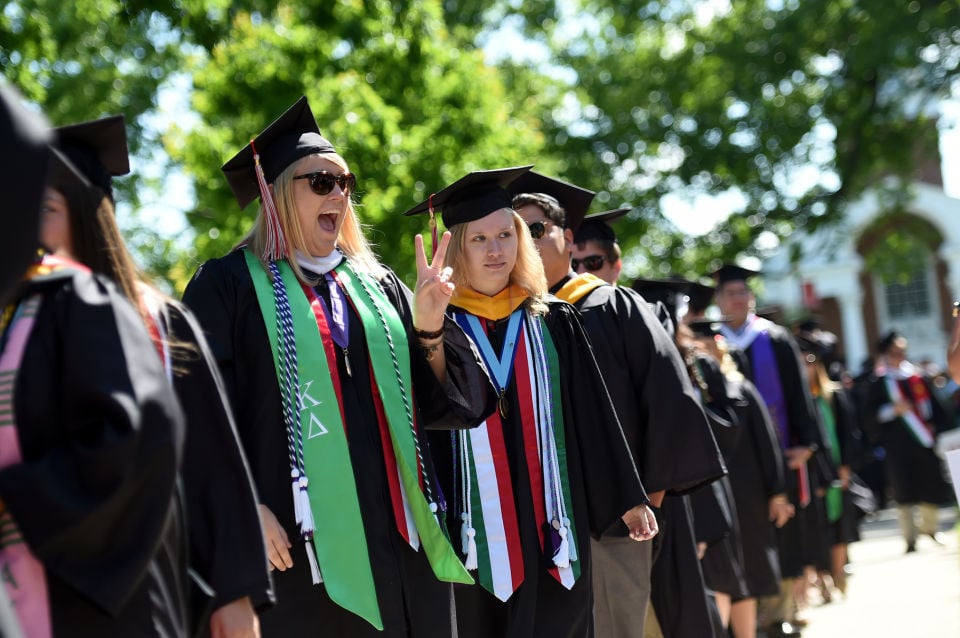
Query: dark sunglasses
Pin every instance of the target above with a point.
(321, 182)
(537, 229)
(590, 262)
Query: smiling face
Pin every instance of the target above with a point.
(320, 216)
(490, 251)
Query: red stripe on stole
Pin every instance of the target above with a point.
(321, 318)
(529, 424)
(389, 461)
(508, 505)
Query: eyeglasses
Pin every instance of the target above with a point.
(538, 229)
(321, 182)
(592, 263)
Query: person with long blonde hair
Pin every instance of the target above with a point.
(334, 369)
(550, 467)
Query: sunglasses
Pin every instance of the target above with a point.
(592, 263)
(321, 182)
(537, 229)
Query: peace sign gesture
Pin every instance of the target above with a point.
(434, 288)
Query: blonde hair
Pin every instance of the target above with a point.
(822, 383)
(527, 271)
(351, 240)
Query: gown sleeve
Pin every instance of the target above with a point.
(225, 532)
(467, 396)
(764, 438)
(609, 474)
(101, 434)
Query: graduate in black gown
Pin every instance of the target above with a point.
(91, 433)
(226, 542)
(551, 467)
(320, 344)
(644, 374)
(768, 356)
(756, 470)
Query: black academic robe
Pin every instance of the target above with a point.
(603, 481)
(651, 392)
(412, 601)
(850, 438)
(756, 474)
(95, 496)
(804, 429)
(226, 539)
(678, 593)
(914, 472)
(714, 506)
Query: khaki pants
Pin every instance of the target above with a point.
(621, 586)
(908, 525)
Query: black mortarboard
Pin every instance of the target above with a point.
(700, 297)
(573, 199)
(24, 153)
(732, 272)
(705, 327)
(97, 148)
(667, 290)
(291, 136)
(597, 226)
(473, 196)
(821, 343)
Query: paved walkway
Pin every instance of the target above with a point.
(893, 594)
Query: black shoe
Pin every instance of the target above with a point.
(911, 548)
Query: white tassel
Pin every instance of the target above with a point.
(572, 544)
(314, 567)
(306, 523)
(463, 533)
(295, 476)
(471, 562)
(562, 558)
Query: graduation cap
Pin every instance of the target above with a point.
(97, 148)
(669, 291)
(705, 327)
(573, 199)
(597, 226)
(700, 297)
(290, 137)
(732, 272)
(473, 196)
(886, 341)
(24, 153)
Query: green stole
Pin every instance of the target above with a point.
(340, 542)
(833, 495)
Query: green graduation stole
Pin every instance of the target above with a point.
(323, 481)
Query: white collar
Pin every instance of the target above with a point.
(319, 265)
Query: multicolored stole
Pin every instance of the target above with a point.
(920, 406)
(323, 482)
(22, 573)
(490, 532)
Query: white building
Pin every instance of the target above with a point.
(857, 304)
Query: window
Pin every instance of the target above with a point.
(911, 299)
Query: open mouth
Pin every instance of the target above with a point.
(328, 221)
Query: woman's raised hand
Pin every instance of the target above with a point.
(434, 288)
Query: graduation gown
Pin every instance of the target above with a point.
(603, 481)
(914, 471)
(803, 429)
(849, 437)
(226, 538)
(756, 474)
(95, 494)
(412, 601)
(651, 392)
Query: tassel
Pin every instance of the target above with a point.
(471, 562)
(562, 558)
(276, 246)
(463, 533)
(295, 475)
(572, 544)
(307, 523)
(312, 559)
(433, 227)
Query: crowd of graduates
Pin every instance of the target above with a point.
(515, 446)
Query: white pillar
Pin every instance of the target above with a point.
(854, 330)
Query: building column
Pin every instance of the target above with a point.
(854, 331)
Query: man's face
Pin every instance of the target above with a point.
(553, 245)
(589, 257)
(735, 300)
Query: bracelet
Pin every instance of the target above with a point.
(423, 334)
(430, 351)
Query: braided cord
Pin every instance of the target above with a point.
(291, 377)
